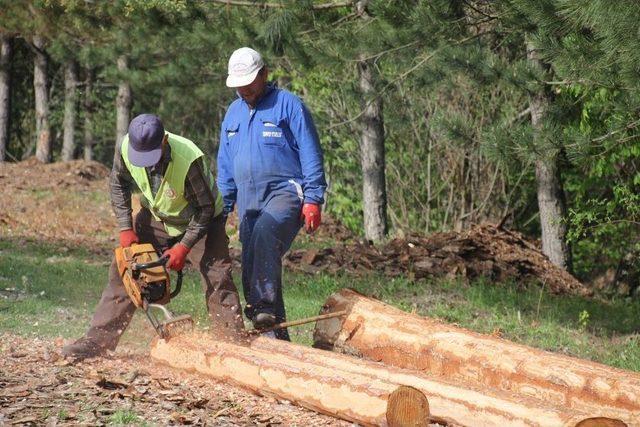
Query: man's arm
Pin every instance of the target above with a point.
(304, 130)
(120, 182)
(225, 181)
(201, 198)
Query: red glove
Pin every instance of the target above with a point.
(177, 255)
(311, 216)
(127, 238)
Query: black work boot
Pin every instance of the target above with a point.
(263, 320)
(83, 348)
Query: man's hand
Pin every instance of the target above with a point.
(127, 238)
(311, 216)
(177, 255)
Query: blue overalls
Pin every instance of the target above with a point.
(269, 163)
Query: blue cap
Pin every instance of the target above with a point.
(146, 133)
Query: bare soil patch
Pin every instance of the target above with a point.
(63, 203)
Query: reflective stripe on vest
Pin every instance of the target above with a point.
(169, 202)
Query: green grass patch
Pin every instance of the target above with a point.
(52, 291)
(125, 418)
(47, 290)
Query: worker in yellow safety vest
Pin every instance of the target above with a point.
(181, 216)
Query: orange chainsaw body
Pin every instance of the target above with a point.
(153, 282)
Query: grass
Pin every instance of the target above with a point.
(49, 291)
(125, 418)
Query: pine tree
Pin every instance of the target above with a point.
(41, 90)
(6, 50)
(70, 110)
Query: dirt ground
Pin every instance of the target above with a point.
(38, 387)
(64, 203)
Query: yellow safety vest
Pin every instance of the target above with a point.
(168, 206)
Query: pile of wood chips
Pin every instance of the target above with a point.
(483, 251)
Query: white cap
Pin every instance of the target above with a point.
(244, 65)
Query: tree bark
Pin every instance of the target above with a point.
(88, 114)
(372, 152)
(41, 90)
(123, 101)
(70, 111)
(6, 53)
(383, 333)
(552, 205)
(286, 374)
(349, 388)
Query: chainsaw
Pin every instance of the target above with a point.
(147, 283)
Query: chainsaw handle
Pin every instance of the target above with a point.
(135, 268)
(160, 261)
(176, 291)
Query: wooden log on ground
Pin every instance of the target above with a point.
(353, 397)
(353, 389)
(383, 333)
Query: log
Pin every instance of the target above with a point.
(353, 397)
(383, 333)
(353, 389)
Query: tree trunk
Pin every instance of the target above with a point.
(70, 112)
(286, 374)
(374, 193)
(552, 205)
(41, 90)
(349, 388)
(123, 101)
(6, 52)
(88, 114)
(383, 333)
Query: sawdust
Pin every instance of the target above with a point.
(38, 387)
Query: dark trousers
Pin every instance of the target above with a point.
(210, 255)
(266, 235)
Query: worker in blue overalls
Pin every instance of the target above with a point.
(270, 165)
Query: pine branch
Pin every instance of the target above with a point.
(242, 3)
(384, 52)
(406, 73)
(428, 57)
(520, 115)
(333, 24)
(477, 10)
(629, 126)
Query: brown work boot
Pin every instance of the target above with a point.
(83, 348)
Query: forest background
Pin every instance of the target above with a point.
(433, 115)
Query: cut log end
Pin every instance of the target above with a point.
(327, 331)
(407, 407)
(601, 422)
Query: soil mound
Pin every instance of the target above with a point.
(483, 251)
(30, 173)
